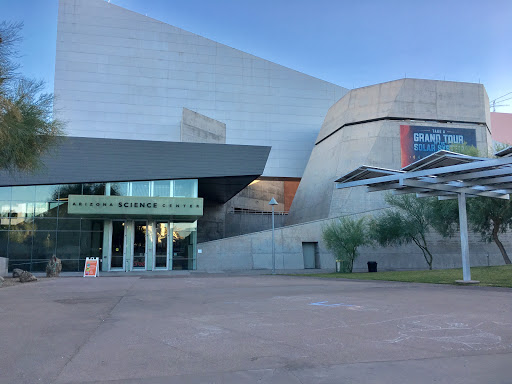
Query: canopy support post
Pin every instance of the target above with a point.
(464, 241)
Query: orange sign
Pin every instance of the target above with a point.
(91, 266)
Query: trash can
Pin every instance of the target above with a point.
(372, 266)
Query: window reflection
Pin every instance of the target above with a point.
(47, 192)
(5, 208)
(69, 189)
(185, 188)
(119, 189)
(21, 209)
(46, 209)
(183, 238)
(140, 188)
(162, 188)
(24, 193)
(5, 193)
(94, 189)
(22, 224)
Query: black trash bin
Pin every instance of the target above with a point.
(372, 266)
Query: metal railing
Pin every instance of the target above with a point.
(246, 211)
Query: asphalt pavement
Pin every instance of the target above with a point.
(252, 329)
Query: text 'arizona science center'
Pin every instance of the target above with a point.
(176, 143)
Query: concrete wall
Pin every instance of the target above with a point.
(119, 74)
(377, 142)
(197, 128)
(219, 220)
(254, 251)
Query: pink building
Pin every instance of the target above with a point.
(501, 125)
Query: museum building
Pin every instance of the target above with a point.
(175, 144)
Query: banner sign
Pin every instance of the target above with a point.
(418, 142)
(91, 266)
(183, 208)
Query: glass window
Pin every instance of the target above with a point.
(22, 224)
(119, 189)
(94, 189)
(4, 224)
(5, 208)
(24, 193)
(184, 240)
(5, 193)
(63, 209)
(185, 188)
(44, 244)
(45, 224)
(140, 188)
(162, 188)
(70, 265)
(47, 192)
(91, 244)
(69, 189)
(92, 225)
(68, 225)
(68, 245)
(20, 246)
(4, 238)
(46, 209)
(22, 209)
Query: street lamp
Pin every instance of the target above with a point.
(273, 202)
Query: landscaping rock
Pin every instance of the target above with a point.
(16, 272)
(54, 267)
(26, 277)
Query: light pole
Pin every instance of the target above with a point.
(273, 202)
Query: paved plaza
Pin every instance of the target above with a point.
(252, 329)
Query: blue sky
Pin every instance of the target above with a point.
(349, 43)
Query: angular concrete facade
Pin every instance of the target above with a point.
(363, 127)
(119, 74)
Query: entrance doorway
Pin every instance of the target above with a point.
(161, 247)
(118, 245)
(310, 253)
(140, 246)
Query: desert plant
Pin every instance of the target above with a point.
(343, 237)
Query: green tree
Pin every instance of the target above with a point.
(27, 126)
(490, 217)
(343, 237)
(408, 222)
(465, 149)
(487, 215)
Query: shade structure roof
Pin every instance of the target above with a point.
(442, 174)
(446, 175)
(223, 170)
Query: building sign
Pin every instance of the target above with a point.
(185, 208)
(418, 142)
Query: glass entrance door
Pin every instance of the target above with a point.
(140, 229)
(117, 249)
(161, 246)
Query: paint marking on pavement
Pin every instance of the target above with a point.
(324, 304)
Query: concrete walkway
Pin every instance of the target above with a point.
(252, 329)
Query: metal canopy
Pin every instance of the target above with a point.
(446, 175)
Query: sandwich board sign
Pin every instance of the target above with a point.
(91, 266)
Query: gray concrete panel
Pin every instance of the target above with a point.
(119, 74)
(418, 99)
(256, 249)
(197, 128)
